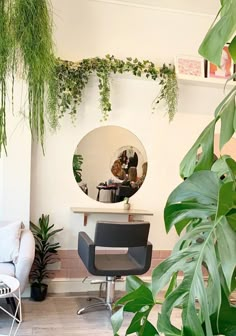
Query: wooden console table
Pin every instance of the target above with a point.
(130, 213)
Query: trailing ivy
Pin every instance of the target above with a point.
(73, 78)
(55, 87)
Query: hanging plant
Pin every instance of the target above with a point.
(6, 43)
(26, 43)
(34, 46)
(55, 87)
(73, 78)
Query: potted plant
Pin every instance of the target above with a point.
(203, 210)
(77, 170)
(126, 203)
(45, 254)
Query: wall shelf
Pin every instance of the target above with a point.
(210, 82)
(130, 213)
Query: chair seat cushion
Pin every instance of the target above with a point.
(116, 265)
(7, 269)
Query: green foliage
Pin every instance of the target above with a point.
(221, 32)
(140, 302)
(45, 249)
(203, 210)
(6, 46)
(55, 86)
(33, 35)
(73, 78)
(77, 163)
(126, 200)
(26, 46)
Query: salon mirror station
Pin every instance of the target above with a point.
(109, 164)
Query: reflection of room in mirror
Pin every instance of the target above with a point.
(100, 148)
(128, 156)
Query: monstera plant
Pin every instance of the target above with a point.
(203, 209)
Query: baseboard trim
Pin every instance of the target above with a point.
(77, 285)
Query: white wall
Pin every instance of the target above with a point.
(91, 28)
(15, 166)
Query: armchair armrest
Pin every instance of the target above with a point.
(86, 250)
(25, 258)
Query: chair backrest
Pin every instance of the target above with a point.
(121, 234)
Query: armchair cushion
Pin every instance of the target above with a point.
(7, 269)
(9, 241)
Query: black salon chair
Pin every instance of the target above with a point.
(124, 191)
(134, 260)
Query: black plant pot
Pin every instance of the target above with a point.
(38, 291)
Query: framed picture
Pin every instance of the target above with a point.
(226, 68)
(190, 66)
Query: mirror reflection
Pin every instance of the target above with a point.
(109, 164)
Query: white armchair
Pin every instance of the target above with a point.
(21, 268)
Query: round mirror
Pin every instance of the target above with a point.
(109, 164)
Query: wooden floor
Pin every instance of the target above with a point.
(57, 316)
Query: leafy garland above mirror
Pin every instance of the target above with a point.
(74, 76)
(26, 49)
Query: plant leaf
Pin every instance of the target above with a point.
(226, 245)
(232, 49)
(117, 320)
(219, 34)
(133, 282)
(189, 164)
(225, 324)
(227, 121)
(196, 197)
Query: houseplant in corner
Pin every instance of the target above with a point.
(204, 206)
(45, 254)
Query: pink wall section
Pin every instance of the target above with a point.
(72, 266)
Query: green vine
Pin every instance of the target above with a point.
(6, 45)
(34, 46)
(26, 48)
(73, 78)
(55, 87)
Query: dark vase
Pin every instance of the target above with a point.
(38, 291)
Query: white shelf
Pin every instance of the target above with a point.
(130, 213)
(210, 82)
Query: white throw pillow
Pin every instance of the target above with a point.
(10, 241)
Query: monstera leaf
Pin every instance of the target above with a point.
(209, 243)
(140, 302)
(226, 114)
(221, 32)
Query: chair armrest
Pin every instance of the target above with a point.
(25, 258)
(142, 255)
(86, 250)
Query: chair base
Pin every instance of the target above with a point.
(93, 306)
(108, 301)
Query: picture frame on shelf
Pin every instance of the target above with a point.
(226, 69)
(190, 66)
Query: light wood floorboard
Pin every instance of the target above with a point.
(57, 316)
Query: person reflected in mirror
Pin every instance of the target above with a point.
(131, 178)
(139, 181)
(117, 170)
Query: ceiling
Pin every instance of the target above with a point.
(210, 7)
